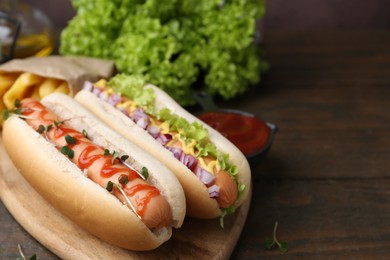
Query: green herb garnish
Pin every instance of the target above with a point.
(115, 155)
(58, 123)
(145, 172)
(70, 139)
(41, 129)
(5, 114)
(124, 157)
(17, 111)
(270, 243)
(67, 151)
(123, 179)
(109, 186)
(84, 132)
(23, 257)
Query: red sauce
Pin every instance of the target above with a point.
(62, 131)
(143, 202)
(34, 106)
(248, 133)
(85, 160)
(92, 153)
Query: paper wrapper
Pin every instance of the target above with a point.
(74, 70)
(37, 77)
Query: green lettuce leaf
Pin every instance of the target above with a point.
(179, 45)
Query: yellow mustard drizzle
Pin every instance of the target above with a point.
(213, 165)
(188, 148)
(164, 127)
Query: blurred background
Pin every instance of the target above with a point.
(281, 14)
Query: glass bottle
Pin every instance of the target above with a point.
(35, 34)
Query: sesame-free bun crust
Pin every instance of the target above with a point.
(199, 205)
(63, 184)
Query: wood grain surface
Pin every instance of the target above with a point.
(326, 179)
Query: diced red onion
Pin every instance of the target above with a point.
(176, 151)
(206, 177)
(140, 118)
(153, 130)
(142, 122)
(88, 86)
(138, 114)
(124, 111)
(96, 91)
(188, 160)
(103, 95)
(164, 138)
(213, 191)
(114, 99)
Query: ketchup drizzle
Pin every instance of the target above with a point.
(91, 153)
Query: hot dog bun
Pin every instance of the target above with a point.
(62, 183)
(199, 204)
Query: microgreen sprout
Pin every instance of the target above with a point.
(85, 134)
(110, 186)
(22, 256)
(67, 151)
(124, 157)
(145, 172)
(58, 123)
(41, 129)
(270, 243)
(70, 139)
(123, 179)
(17, 111)
(115, 155)
(17, 102)
(5, 114)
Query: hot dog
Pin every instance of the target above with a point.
(214, 174)
(98, 179)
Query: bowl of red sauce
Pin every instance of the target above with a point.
(252, 135)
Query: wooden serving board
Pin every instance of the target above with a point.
(196, 239)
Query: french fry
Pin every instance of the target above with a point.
(63, 88)
(22, 87)
(48, 86)
(6, 81)
(35, 93)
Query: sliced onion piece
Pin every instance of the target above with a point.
(153, 130)
(188, 160)
(96, 91)
(103, 95)
(204, 176)
(213, 191)
(123, 110)
(143, 123)
(138, 114)
(114, 99)
(164, 138)
(176, 151)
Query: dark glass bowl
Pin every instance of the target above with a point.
(208, 105)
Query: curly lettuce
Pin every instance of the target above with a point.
(177, 45)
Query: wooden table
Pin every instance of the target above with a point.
(327, 177)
